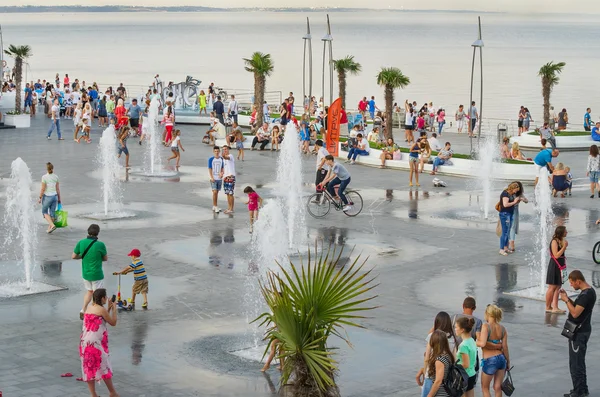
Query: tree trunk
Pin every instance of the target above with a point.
(18, 78)
(546, 95)
(342, 84)
(259, 98)
(302, 384)
(389, 103)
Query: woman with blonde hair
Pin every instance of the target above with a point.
(504, 150)
(425, 154)
(202, 102)
(505, 211)
(493, 341)
(559, 180)
(515, 152)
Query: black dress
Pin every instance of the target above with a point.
(554, 275)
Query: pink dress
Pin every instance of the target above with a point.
(93, 349)
(252, 201)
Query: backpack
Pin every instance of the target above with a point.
(456, 381)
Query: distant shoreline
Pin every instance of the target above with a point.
(72, 9)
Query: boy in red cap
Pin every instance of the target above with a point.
(140, 285)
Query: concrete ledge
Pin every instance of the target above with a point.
(460, 167)
(582, 142)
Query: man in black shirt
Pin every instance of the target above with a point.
(580, 312)
(219, 109)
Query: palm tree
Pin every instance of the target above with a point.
(307, 306)
(19, 54)
(261, 66)
(391, 79)
(549, 74)
(344, 66)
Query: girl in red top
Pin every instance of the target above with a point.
(120, 111)
(168, 122)
(254, 202)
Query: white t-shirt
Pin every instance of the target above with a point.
(233, 107)
(76, 98)
(363, 145)
(408, 120)
(175, 141)
(228, 166)
(320, 156)
(77, 116)
(55, 112)
(50, 180)
(434, 144)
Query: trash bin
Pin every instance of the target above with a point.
(502, 131)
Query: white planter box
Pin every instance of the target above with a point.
(19, 120)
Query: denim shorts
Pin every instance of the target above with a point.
(216, 185)
(491, 365)
(594, 176)
(123, 149)
(49, 205)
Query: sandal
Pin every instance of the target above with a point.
(53, 228)
(559, 311)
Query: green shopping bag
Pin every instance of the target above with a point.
(61, 218)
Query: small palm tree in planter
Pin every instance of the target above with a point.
(390, 79)
(344, 66)
(19, 53)
(261, 66)
(307, 306)
(549, 74)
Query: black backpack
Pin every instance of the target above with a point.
(456, 381)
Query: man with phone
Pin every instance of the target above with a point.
(92, 253)
(580, 313)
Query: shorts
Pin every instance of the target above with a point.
(49, 205)
(134, 123)
(28, 103)
(93, 285)
(239, 145)
(140, 286)
(283, 121)
(594, 176)
(216, 185)
(520, 123)
(229, 184)
(472, 382)
(175, 149)
(409, 127)
(413, 159)
(491, 365)
(123, 149)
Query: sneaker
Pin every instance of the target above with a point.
(347, 161)
(48, 138)
(347, 208)
(217, 209)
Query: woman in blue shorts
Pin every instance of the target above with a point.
(495, 358)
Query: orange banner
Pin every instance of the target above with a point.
(333, 127)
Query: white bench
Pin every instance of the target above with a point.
(578, 142)
(459, 167)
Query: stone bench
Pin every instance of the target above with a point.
(578, 142)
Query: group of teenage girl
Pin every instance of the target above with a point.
(456, 341)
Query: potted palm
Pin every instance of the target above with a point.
(308, 305)
(390, 78)
(261, 66)
(16, 117)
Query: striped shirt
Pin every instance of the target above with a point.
(139, 271)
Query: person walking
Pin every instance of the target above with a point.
(514, 227)
(176, 147)
(494, 345)
(580, 313)
(93, 343)
(55, 116)
(473, 116)
(587, 120)
(228, 179)
(506, 211)
(459, 117)
(593, 170)
(557, 269)
(232, 109)
(92, 253)
(215, 173)
(50, 196)
(441, 119)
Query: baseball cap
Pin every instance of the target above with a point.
(135, 252)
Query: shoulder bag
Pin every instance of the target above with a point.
(508, 387)
(88, 248)
(570, 328)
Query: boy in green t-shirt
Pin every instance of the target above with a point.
(92, 253)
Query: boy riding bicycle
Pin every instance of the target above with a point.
(337, 175)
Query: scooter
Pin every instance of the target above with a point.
(122, 304)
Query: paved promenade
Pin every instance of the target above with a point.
(428, 250)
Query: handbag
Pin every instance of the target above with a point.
(498, 206)
(570, 328)
(499, 228)
(396, 155)
(508, 386)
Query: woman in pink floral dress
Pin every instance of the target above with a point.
(93, 346)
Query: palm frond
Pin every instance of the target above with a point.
(347, 65)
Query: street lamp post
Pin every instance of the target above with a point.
(477, 44)
(327, 44)
(307, 43)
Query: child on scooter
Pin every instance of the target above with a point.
(140, 285)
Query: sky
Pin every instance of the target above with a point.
(516, 6)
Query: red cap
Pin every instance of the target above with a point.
(135, 252)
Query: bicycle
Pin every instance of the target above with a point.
(596, 253)
(319, 204)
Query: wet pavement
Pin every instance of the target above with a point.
(430, 248)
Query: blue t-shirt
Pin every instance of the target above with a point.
(340, 171)
(134, 111)
(93, 94)
(595, 134)
(28, 93)
(544, 157)
(587, 119)
(371, 106)
(37, 86)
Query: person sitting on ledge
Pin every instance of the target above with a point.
(443, 156)
(361, 148)
(262, 136)
(389, 151)
(504, 150)
(560, 182)
(596, 132)
(516, 154)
